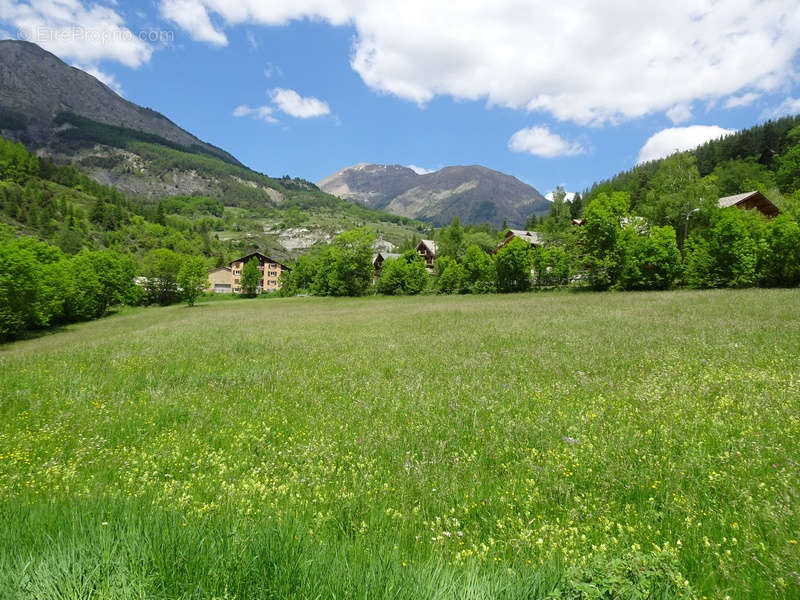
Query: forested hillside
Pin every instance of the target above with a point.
(70, 247)
(765, 158)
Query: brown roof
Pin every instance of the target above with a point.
(263, 257)
(756, 199)
(430, 244)
(529, 236)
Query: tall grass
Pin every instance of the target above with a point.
(529, 446)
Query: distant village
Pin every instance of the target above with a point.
(227, 280)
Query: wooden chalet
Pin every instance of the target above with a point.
(531, 237)
(427, 249)
(377, 263)
(749, 201)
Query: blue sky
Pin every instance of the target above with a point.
(554, 94)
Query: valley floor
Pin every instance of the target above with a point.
(560, 445)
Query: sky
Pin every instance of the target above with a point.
(555, 93)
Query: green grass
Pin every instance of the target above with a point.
(561, 445)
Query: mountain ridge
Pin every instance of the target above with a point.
(67, 89)
(474, 193)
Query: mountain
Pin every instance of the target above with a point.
(70, 118)
(473, 193)
(65, 114)
(36, 87)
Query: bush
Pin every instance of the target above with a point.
(404, 275)
(480, 274)
(192, 278)
(40, 286)
(513, 263)
(552, 266)
(600, 237)
(698, 264)
(650, 262)
(451, 278)
(734, 246)
(780, 264)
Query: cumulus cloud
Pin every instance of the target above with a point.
(192, 17)
(420, 170)
(613, 60)
(263, 113)
(790, 106)
(540, 141)
(679, 113)
(743, 100)
(295, 105)
(669, 141)
(84, 34)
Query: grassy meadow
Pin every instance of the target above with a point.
(547, 445)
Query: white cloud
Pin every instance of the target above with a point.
(263, 113)
(295, 105)
(669, 141)
(192, 17)
(743, 100)
(420, 170)
(680, 113)
(75, 32)
(790, 106)
(614, 60)
(540, 141)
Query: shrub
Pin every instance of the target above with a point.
(650, 262)
(513, 263)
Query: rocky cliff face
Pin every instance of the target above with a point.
(66, 114)
(473, 193)
(36, 87)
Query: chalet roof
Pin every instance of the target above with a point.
(761, 202)
(220, 269)
(529, 236)
(385, 255)
(430, 244)
(734, 200)
(262, 257)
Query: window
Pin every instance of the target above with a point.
(237, 272)
(273, 273)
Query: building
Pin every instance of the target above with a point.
(220, 281)
(226, 280)
(377, 263)
(751, 200)
(531, 237)
(427, 250)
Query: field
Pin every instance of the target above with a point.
(554, 445)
